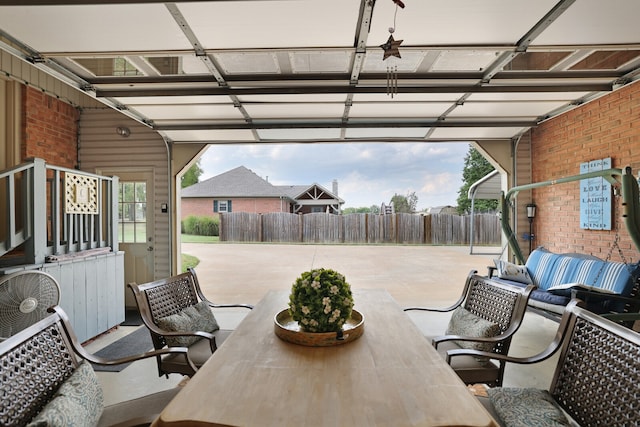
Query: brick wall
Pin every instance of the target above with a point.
(49, 128)
(204, 207)
(606, 127)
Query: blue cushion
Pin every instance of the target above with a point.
(542, 268)
(550, 297)
(611, 276)
(548, 269)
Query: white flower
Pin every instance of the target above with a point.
(320, 300)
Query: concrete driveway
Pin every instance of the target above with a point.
(413, 275)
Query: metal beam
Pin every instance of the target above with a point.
(106, 2)
(290, 90)
(362, 79)
(525, 41)
(338, 124)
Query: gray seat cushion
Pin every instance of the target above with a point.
(470, 369)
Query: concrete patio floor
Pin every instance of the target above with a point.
(414, 275)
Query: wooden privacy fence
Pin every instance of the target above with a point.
(283, 227)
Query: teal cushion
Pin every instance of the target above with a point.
(78, 402)
(545, 268)
(465, 323)
(197, 317)
(522, 407)
(510, 271)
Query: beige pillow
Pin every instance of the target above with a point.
(514, 272)
(467, 324)
(198, 317)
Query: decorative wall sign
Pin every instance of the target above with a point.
(595, 197)
(81, 194)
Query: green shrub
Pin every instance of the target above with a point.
(201, 226)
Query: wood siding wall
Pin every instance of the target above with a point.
(441, 229)
(91, 292)
(100, 147)
(17, 69)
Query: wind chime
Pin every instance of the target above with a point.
(391, 49)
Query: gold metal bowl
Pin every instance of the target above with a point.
(288, 330)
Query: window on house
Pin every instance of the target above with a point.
(317, 209)
(222, 205)
(132, 212)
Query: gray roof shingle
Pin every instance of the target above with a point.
(238, 182)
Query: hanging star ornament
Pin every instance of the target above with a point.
(391, 48)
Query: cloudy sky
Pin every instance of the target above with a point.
(367, 173)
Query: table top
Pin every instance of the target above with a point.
(391, 376)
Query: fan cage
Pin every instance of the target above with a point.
(25, 297)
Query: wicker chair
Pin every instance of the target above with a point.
(596, 381)
(45, 377)
(500, 306)
(169, 297)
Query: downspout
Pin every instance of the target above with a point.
(514, 181)
(173, 204)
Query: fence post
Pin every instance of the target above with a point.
(300, 227)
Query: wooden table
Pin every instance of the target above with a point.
(391, 376)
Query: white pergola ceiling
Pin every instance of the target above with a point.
(235, 71)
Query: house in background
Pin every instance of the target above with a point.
(447, 209)
(241, 190)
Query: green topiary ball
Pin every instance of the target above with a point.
(320, 301)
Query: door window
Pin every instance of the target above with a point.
(132, 212)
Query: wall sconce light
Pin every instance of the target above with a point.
(531, 214)
(531, 211)
(123, 131)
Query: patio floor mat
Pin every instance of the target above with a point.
(136, 342)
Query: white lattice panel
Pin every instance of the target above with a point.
(81, 194)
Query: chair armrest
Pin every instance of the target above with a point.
(551, 349)
(196, 283)
(81, 352)
(212, 305)
(433, 309)
(455, 304)
(202, 334)
(544, 355)
(437, 340)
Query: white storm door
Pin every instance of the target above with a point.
(135, 228)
